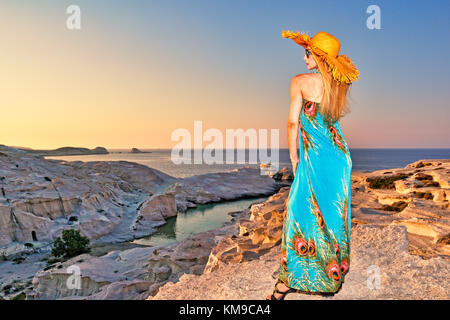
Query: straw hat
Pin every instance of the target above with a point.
(327, 47)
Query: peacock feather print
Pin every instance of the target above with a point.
(308, 143)
(315, 250)
(302, 284)
(342, 206)
(310, 110)
(337, 138)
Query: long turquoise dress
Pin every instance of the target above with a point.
(315, 248)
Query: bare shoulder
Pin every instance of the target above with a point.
(298, 81)
(303, 82)
(305, 79)
(309, 84)
(299, 78)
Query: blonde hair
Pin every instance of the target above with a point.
(335, 102)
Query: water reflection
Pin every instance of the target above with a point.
(203, 218)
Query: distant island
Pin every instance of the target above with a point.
(67, 151)
(136, 150)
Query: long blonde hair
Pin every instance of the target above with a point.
(335, 102)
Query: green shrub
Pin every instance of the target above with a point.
(71, 244)
(385, 183)
(20, 296)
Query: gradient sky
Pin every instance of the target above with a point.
(138, 70)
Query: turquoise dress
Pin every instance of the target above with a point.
(315, 248)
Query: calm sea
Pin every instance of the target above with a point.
(363, 159)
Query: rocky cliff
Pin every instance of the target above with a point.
(108, 201)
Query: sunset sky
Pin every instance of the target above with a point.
(138, 70)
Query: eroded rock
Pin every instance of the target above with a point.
(381, 268)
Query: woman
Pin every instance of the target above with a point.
(315, 248)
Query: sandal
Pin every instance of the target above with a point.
(283, 293)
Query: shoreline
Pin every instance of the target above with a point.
(109, 202)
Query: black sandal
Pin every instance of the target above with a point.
(283, 294)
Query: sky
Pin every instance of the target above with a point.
(138, 70)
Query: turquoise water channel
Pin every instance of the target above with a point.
(195, 220)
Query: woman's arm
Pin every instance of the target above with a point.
(293, 120)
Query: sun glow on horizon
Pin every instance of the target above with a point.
(134, 74)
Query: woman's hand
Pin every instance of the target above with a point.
(294, 161)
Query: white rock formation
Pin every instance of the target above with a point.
(108, 201)
(214, 187)
(39, 198)
(130, 274)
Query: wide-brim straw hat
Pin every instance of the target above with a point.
(327, 47)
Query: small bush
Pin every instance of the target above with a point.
(20, 296)
(71, 244)
(7, 288)
(385, 183)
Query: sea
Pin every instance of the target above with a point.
(365, 160)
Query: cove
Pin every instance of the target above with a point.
(195, 220)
